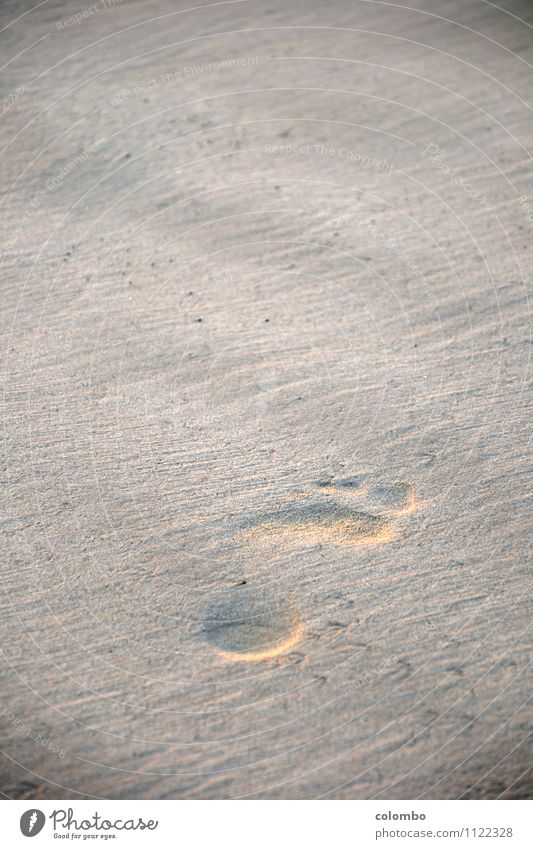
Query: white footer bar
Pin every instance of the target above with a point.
(268, 824)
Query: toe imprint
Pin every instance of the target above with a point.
(395, 497)
(356, 483)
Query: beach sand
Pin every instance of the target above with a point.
(266, 334)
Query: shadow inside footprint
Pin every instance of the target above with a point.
(397, 496)
(250, 624)
(326, 520)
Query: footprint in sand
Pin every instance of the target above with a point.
(350, 511)
(247, 624)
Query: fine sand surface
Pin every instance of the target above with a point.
(265, 456)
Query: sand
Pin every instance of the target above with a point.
(266, 336)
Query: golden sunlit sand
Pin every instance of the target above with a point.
(268, 653)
